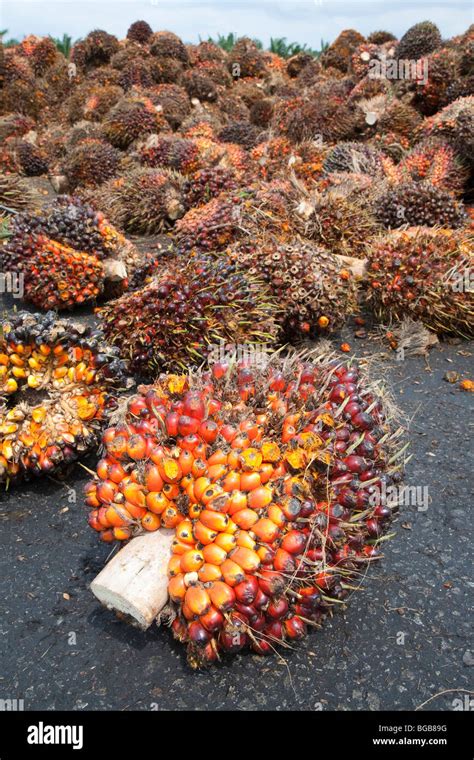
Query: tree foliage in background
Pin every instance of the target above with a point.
(278, 45)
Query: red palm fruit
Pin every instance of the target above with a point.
(177, 588)
(174, 565)
(200, 450)
(134, 494)
(197, 600)
(186, 461)
(249, 481)
(232, 572)
(245, 518)
(274, 630)
(219, 369)
(199, 468)
(240, 441)
(248, 560)
(213, 620)
(153, 479)
(202, 534)
(310, 595)
(189, 443)
(294, 542)
(214, 520)
(278, 608)
(107, 535)
(193, 405)
(102, 469)
(226, 541)
(271, 582)
(291, 508)
(106, 491)
(116, 472)
(191, 561)
(232, 640)
(266, 530)
(137, 406)
(266, 554)
(171, 424)
(198, 634)
(260, 497)
(179, 629)
(184, 531)
(261, 599)
(108, 435)
(156, 454)
(222, 596)
(208, 573)
(187, 425)
(93, 520)
(150, 521)
(247, 590)
(228, 432)
(208, 431)
(294, 628)
(284, 562)
(214, 554)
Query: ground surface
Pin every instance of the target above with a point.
(401, 641)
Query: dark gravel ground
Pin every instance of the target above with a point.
(403, 641)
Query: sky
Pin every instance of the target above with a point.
(303, 21)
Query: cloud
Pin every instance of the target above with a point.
(301, 20)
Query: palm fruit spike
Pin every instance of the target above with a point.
(314, 293)
(423, 273)
(273, 479)
(187, 308)
(71, 372)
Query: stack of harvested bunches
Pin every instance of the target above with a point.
(273, 479)
(58, 381)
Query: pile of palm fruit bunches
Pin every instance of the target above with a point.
(213, 198)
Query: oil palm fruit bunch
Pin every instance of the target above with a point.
(168, 45)
(143, 201)
(418, 204)
(32, 160)
(241, 133)
(92, 102)
(358, 158)
(314, 292)
(455, 123)
(423, 273)
(94, 50)
(206, 184)
(57, 383)
(132, 117)
(172, 100)
(139, 31)
(339, 53)
(173, 152)
(199, 85)
(188, 306)
(245, 59)
(271, 477)
(209, 227)
(435, 161)
(420, 40)
(41, 53)
(91, 163)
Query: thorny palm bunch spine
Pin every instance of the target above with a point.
(273, 479)
(55, 381)
(189, 306)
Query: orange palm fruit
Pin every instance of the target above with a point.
(216, 471)
(136, 447)
(191, 561)
(226, 541)
(211, 493)
(186, 460)
(208, 573)
(179, 547)
(202, 534)
(174, 565)
(177, 588)
(171, 517)
(244, 538)
(251, 459)
(266, 472)
(136, 512)
(232, 572)
(107, 535)
(197, 599)
(194, 511)
(200, 485)
(245, 518)
(157, 502)
(188, 614)
(266, 530)
(170, 470)
(249, 481)
(266, 554)
(270, 452)
(231, 481)
(199, 468)
(222, 596)
(171, 490)
(260, 497)
(151, 521)
(237, 501)
(117, 516)
(134, 494)
(122, 534)
(214, 520)
(248, 560)
(218, 457)
(233, 460)
(153, 479)
(184, 531)
(214, 554)
(96, 525)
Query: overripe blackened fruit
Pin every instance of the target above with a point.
(139, 31)
(55, 381)
(132, 117)
(418, 41)
(263, 546)
(315, 294)
(423, 273)
(189, 306)
(418, 204)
